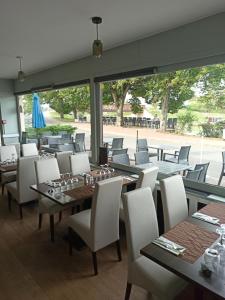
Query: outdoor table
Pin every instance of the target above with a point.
(189, 268)
(161, 148)
(80, 191)
(165, 168)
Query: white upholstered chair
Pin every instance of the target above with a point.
(8, 152)
(80, 163)
(99, 226)
(147, 178)
(20, 189)
(47, 169)
(141, 229)
(29, 149)
(63, 159)
(174, 201)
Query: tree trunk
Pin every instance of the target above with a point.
(121, 112)
(61, 115)
(75, 113)
(165, 108)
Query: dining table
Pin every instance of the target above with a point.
(161, 148)
(80, 190)
(195, 235)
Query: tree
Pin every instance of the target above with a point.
(211, 82)
(70, 99)
(169, 90)
(115, 92)
(27, 103)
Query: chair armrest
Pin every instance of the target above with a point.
(171, 154)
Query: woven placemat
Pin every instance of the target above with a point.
(194, 238)
(216, 210)
(80, 193)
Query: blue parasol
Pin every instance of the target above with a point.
(38, 120)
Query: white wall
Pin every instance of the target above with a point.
(200, 42)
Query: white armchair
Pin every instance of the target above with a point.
(142, 229)
(174, 201)
(29, 149)
(47, 169)
(99, 226)
(80, 163)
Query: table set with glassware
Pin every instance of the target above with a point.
(69, 188)
(194, 249)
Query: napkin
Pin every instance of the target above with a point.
(206, 218)
(169, 245)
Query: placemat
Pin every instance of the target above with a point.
(194, 238)
(82, 192)
(216, 210)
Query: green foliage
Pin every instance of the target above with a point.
(213, 130)
(136, 107)
(185, 120)
(54, 129)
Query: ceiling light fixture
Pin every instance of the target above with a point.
(97, 47)
(21, 74)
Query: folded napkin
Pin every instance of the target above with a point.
(128, 178)
(169, 245)
(206, 218)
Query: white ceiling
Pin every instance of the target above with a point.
(51, 32)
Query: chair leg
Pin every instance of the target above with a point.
(118, 250)
(94, 259)
(3, 187)
(21, 211)
(52, 228)
(70, 241)
(128, 291)
(60, 216)
(39, 221)
(9, 201)
(220, 179)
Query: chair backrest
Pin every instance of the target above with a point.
(174, 201)
(194, 174)
(142, 145)
(29, 149)
(117, 143)
(47, 169)
(147, 178)
(8, 152)
(223, 156)
(121, 159)
(26, 177)
(119, 151)
(184, 154)
(79, 163)
(141, 157)
(66, 147)
(204, 167)
(63, 159)
(18, 148)
(140, 220)
(105, 212)
(79, 146)
(80, 137)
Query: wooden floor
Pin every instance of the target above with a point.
(33, 268)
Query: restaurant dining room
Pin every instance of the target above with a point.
(112, 150)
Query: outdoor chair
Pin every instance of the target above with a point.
(79, 163)
(66, 147)
(119, 151)
(29, 149)
(99, 226)
(121, 159)
(63, 159)
(174, 201)
(20, 189)
(141, 229)
(204, 167)
(179, 157)
(194, 174)
(142, 145)
(80, 142)
(141, 157)
(223, 169)
(48, 169)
